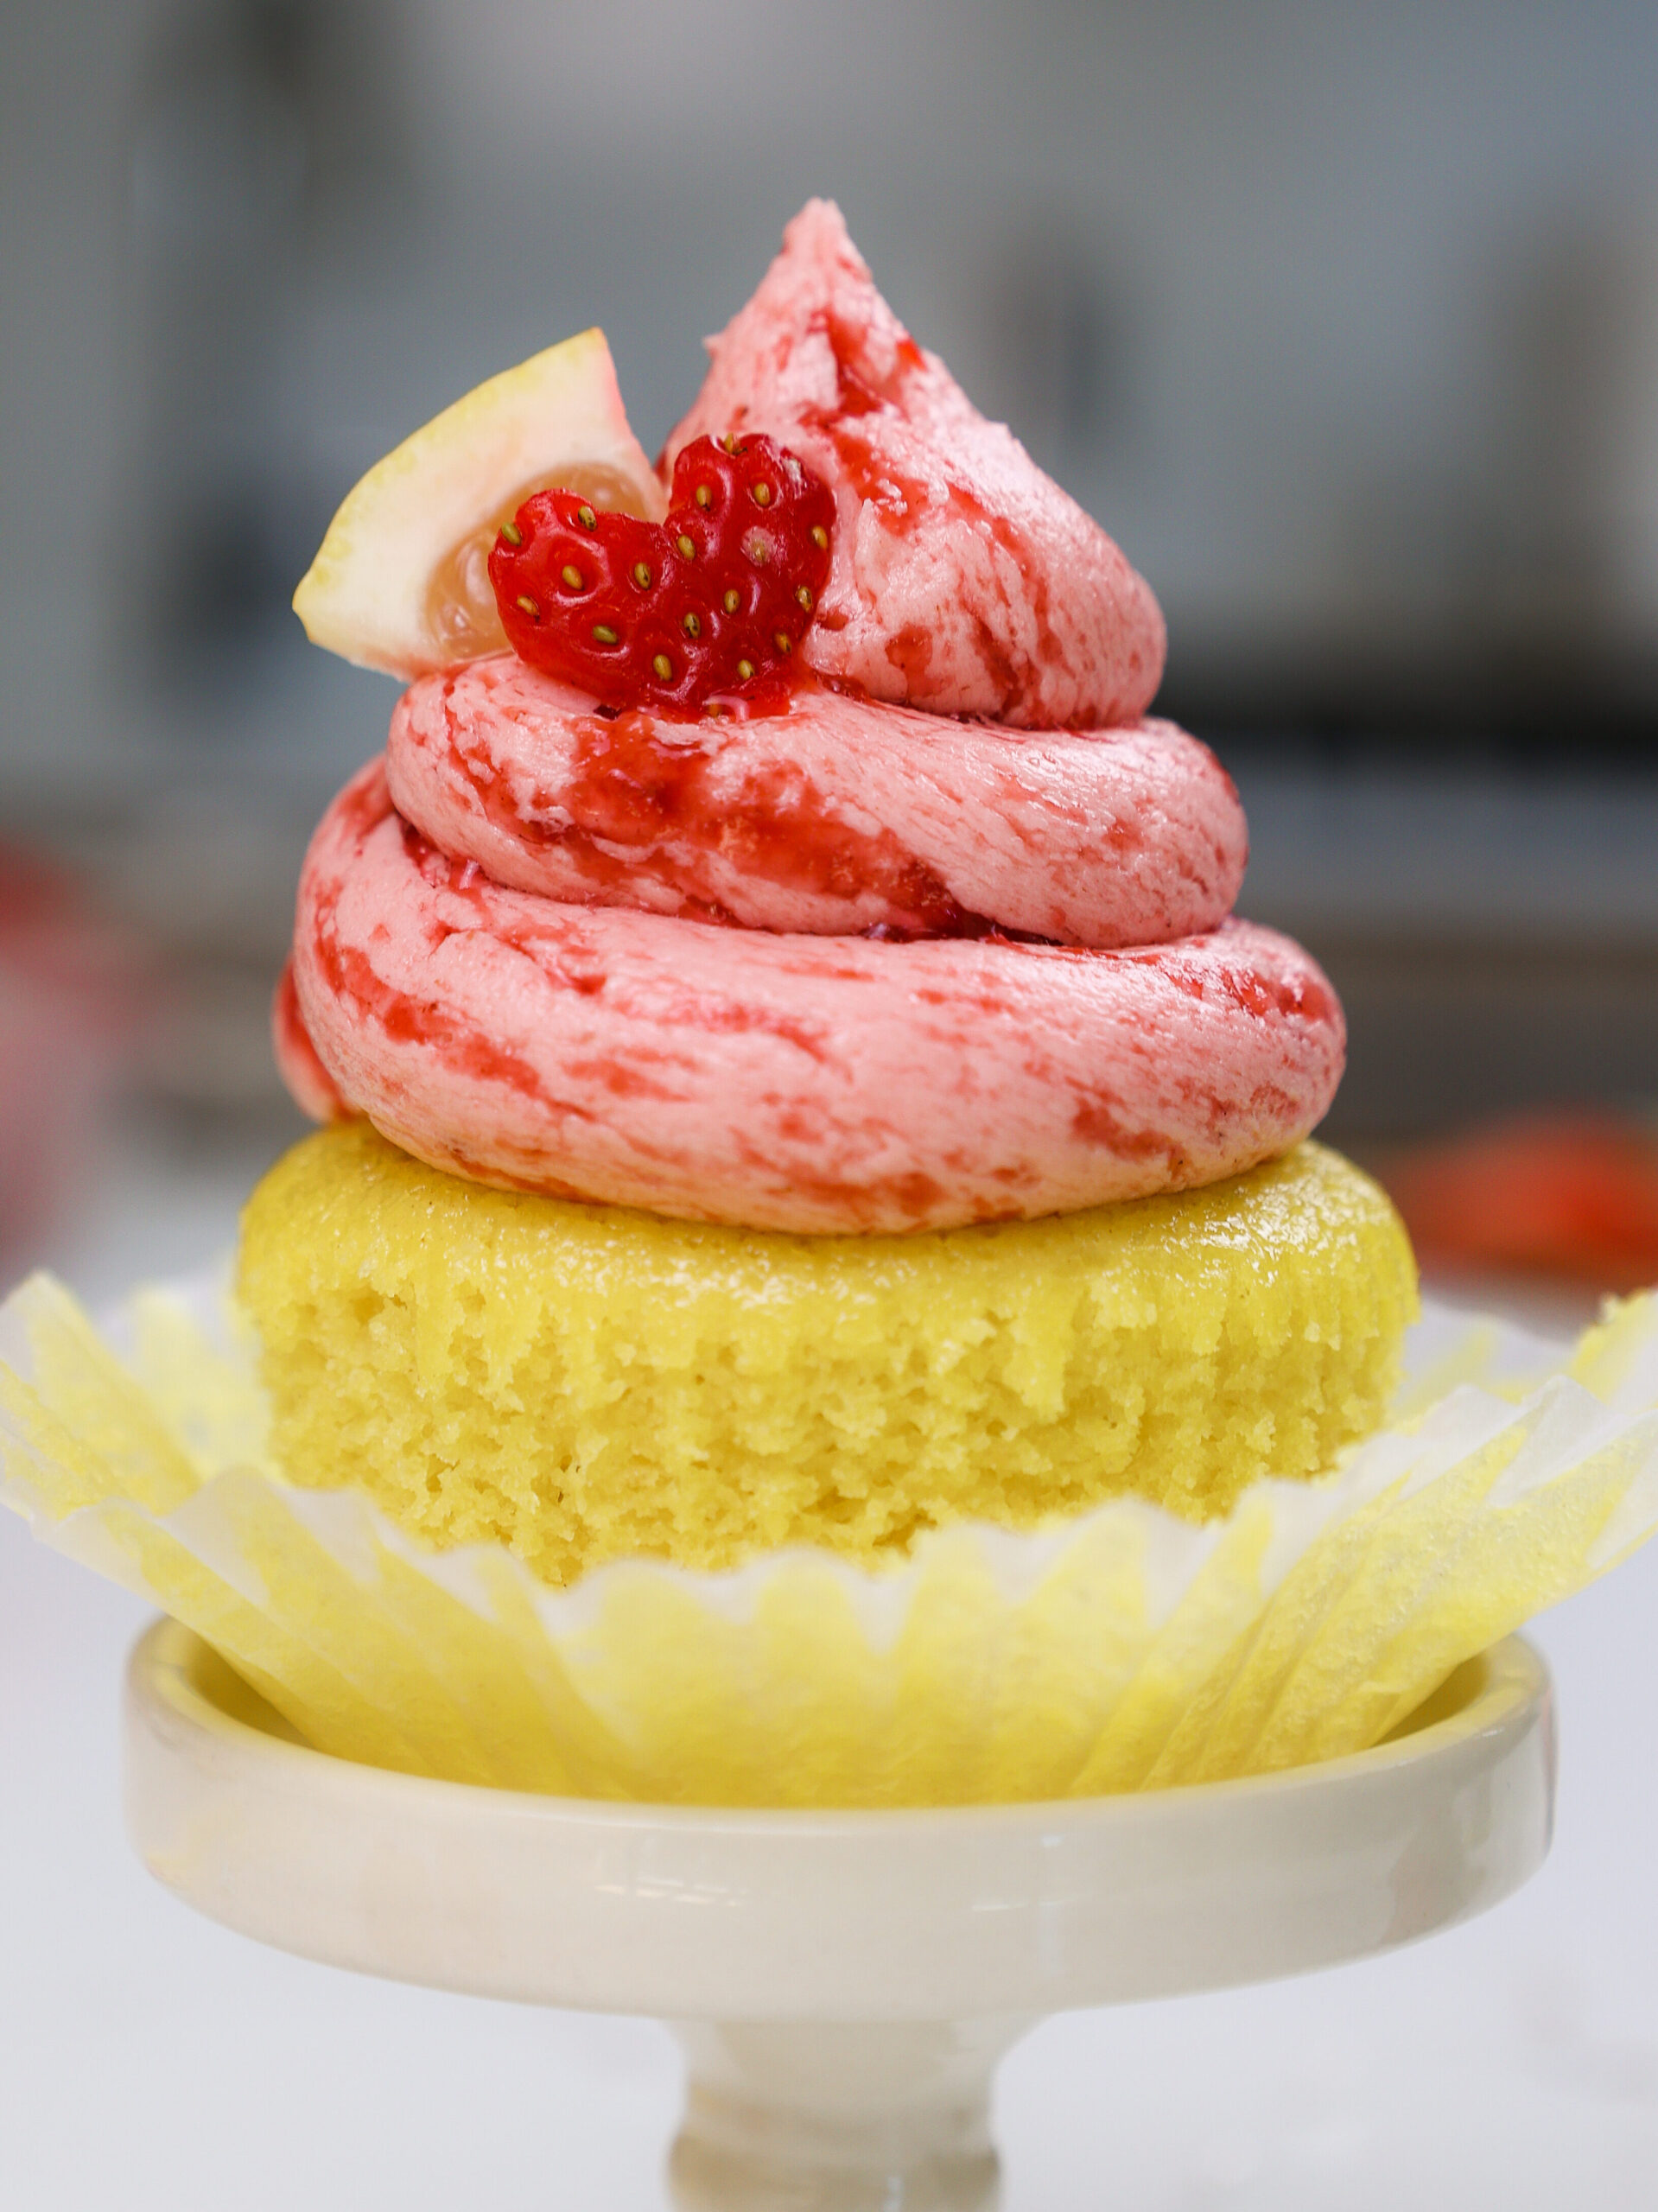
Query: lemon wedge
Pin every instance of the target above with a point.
(401, 582)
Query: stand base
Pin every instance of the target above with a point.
(865, 1970)
(839, 2118)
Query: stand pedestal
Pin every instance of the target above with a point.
(841, 2117)
(843, 1983)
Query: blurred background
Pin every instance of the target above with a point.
(1344, 321)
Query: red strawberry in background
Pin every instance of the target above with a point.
(713, 602)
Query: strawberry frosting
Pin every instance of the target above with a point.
(309, 1084)
(836, 816)
(941, 938)
(964, 580)
(789, 1082)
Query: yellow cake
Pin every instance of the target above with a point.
(587, 1383)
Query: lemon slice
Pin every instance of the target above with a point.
(401, 582)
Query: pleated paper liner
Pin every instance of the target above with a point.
(1122, 1651)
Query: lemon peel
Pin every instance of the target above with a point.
(400, 580)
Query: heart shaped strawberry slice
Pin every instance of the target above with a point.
(712, 603)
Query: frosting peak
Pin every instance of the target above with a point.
(964, 580)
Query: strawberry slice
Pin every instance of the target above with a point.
(711, 604)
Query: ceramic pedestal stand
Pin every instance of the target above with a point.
(844, 1983)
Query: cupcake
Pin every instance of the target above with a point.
(813, 1287)
(791, 1074)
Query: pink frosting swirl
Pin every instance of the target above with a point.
(836, 817)
(855, 965)
(789, 1082)
(964, 580)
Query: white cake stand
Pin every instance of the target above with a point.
(844, 1983)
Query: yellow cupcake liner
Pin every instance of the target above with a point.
(1123, 1649)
